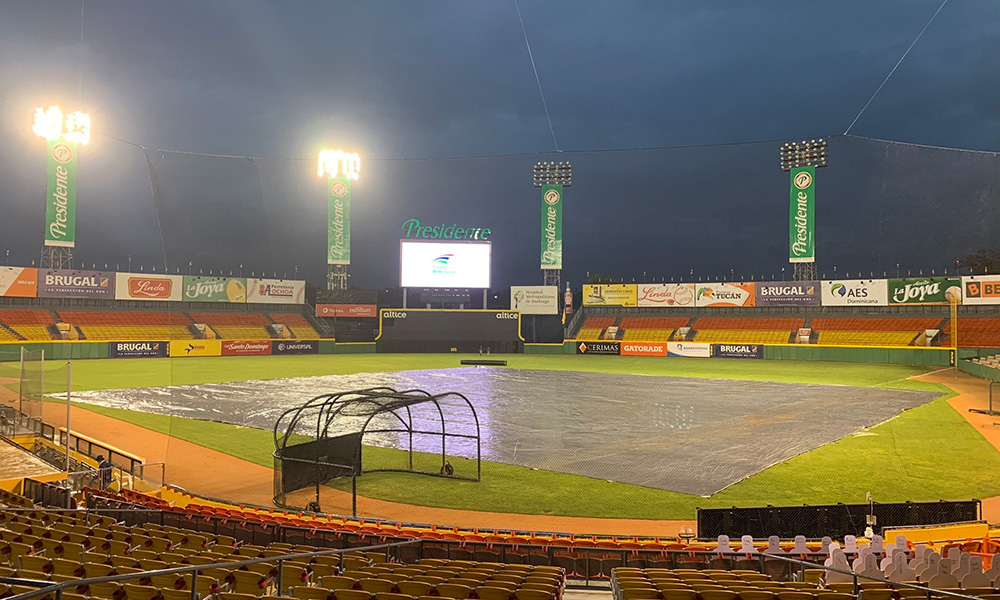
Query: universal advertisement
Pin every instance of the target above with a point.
(195, 348)
(351, 311)
(609, 294)
(276, 291)
(725, 294)
(802, 216)
(338, 239)
(689, 349)
(925, 290)
(552, 210)
(60, 199)
(215, 289)
(54, 283)
(788, 293)
(855, 292)
(535, 299)
(676, 295)
(981, 289)
(18, 282)
(157, 288)
(246, 348)
(295, 347)
(599, 348)
(644, 349)
(737, 351)
(137, 349)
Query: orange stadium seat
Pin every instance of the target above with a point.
(129, 325)
(746, 330)
(295, 323)
(18, 324)
(983, 332)
(872, 331)
(593, 327)
(650, 329)
(235, 326)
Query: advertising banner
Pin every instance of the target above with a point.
(355, 311)
(60, 194)
(644, 349)
(855, 292)
(925, 290)
(788, 293)
(737, 351)
(137, 286)
(599, 348)
(802, 216)
(276, 291)
(338, 239)
(295, 347)
(725, 294)
(18, 282)
(689, 349)
(53, 283)
(981, 289)
(137, 349)
(609, 294)
(214, 289)
(679, 295)
(535, 299)
(448, 265)
(246, 348)
(195, 348)
(552, 210)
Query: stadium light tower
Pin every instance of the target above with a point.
(64, 133)
(552, 177)
(801, 159)
(340, 168)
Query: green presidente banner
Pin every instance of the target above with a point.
(552, 209)
(802, 216)
(60, 204)
(338, 221)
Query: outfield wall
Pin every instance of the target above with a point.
(83, 349)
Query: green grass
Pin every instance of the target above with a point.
(922, 454)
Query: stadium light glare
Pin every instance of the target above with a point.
(52, 124)
(337, 163)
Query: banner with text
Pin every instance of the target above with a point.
(158, 288)
(535, 299)
(18, 282)
(60, 199)
(925, 290)
(737, 351)
(137, 349)
(802, 216)
(788, 293)
(552, 239)
(599, 348)
(198, 288)
(644, 349)
(195, 348)
(981, 289)
(355, 311)
(725, 294)
(675, 295)
(689, 349)
(855, 292)
(53, 283)
(295, 347)
(338, 239)
(246, 347)
(276, 291)
(609, 294)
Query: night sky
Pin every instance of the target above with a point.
(714, 85)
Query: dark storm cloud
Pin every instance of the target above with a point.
(452, 78)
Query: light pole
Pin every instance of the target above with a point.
(340, 168)
(801, 159)
(65, 133)
(552, 177)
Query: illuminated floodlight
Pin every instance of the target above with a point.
(337, 163)
(51, 124)
(807, 153)
(553, 173)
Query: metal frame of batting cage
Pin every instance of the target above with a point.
(365, 403)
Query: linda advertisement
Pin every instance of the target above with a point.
(678, 295)
(137, 349)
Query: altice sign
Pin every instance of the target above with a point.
(414, 229)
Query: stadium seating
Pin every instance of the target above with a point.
(28, 324)
(982, 332)
(593, 327)
(872, 331)
(129, 325)
(650, 329)
(235, 326)
(746, 330)
(296, 324)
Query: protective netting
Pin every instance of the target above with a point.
(32, 380)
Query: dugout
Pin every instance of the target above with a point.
(414, 432)
(430, 330)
